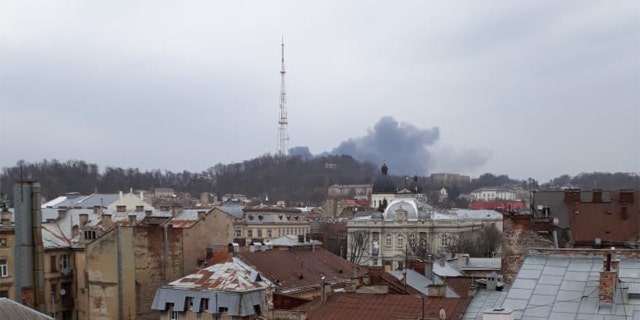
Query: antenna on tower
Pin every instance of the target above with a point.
(283, 134)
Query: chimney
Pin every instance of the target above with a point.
(498, 314)
(175, 210)
(84, 217)
(597, 196)
(120, 195)
(492, 281)
(106, 219)
(142, 195)
(202, 215)
(325, 290)
(608, 279)
(132, 219)
(436, 290)
(428, 269)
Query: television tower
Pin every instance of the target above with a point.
(283, 134)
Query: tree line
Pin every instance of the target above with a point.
(294, 179)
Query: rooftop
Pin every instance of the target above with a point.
(290, 269)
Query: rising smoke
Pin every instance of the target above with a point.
(406, 149)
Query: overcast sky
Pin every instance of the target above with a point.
(525, 88)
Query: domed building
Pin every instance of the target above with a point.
(410, 228)
(385, 190)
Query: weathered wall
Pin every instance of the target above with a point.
(215, 228)
(518, 238)
(152, 270)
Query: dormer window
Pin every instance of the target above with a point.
(89, 235)
(121, 208)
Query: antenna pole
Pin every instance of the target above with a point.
(283, 134)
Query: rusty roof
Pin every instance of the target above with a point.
(290, 269)
(383, 307)
(227, 276)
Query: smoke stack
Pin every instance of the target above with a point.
(28, 248)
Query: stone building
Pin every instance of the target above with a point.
(408, 227)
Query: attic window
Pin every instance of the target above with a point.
(89, 235)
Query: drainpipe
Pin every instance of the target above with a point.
(119, 265)
(165, 245)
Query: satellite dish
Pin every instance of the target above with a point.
(63, 292)
(443, 314)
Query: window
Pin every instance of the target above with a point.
(139, 208)
(173, 315)
(4, 294)
(204, 305)
(444, 241)
(65, 261)
(3, 242)
(4, 268)
(388, 239)
(269, 233)
(259, 233)
(54, 265)
(375, 262)
(249, 233)
(238, 233)
(54, 290)
(623, 213)
(121, 208)
(89, 235)
(400, 241)
(223, 309)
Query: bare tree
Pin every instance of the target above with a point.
(417, 243)
(484, 243)
(358, 244)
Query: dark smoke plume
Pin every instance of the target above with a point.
(403, 146)
(406, 149)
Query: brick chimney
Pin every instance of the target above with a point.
(608, 279)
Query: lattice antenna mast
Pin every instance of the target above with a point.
(283, 134)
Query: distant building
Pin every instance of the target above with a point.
(265, 223)
(350, 191)
(384, 190)
(493, 193)
(591, 217)
(120, 202)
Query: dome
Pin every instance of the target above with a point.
(384, 183)
(407, 205)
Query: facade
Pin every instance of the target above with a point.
(261, 224)
(350, 191)
(493, 193)
(7, 236)
(408, 227)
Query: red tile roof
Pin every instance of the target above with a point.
(383, 307)
(300, 268)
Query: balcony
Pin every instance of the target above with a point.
(66, 272)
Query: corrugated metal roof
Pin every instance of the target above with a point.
(227, 276)
(10, 309)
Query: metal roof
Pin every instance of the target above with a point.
(565, 287)
(10, 309)
(419, 282)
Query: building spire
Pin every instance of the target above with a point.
(283, 134)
